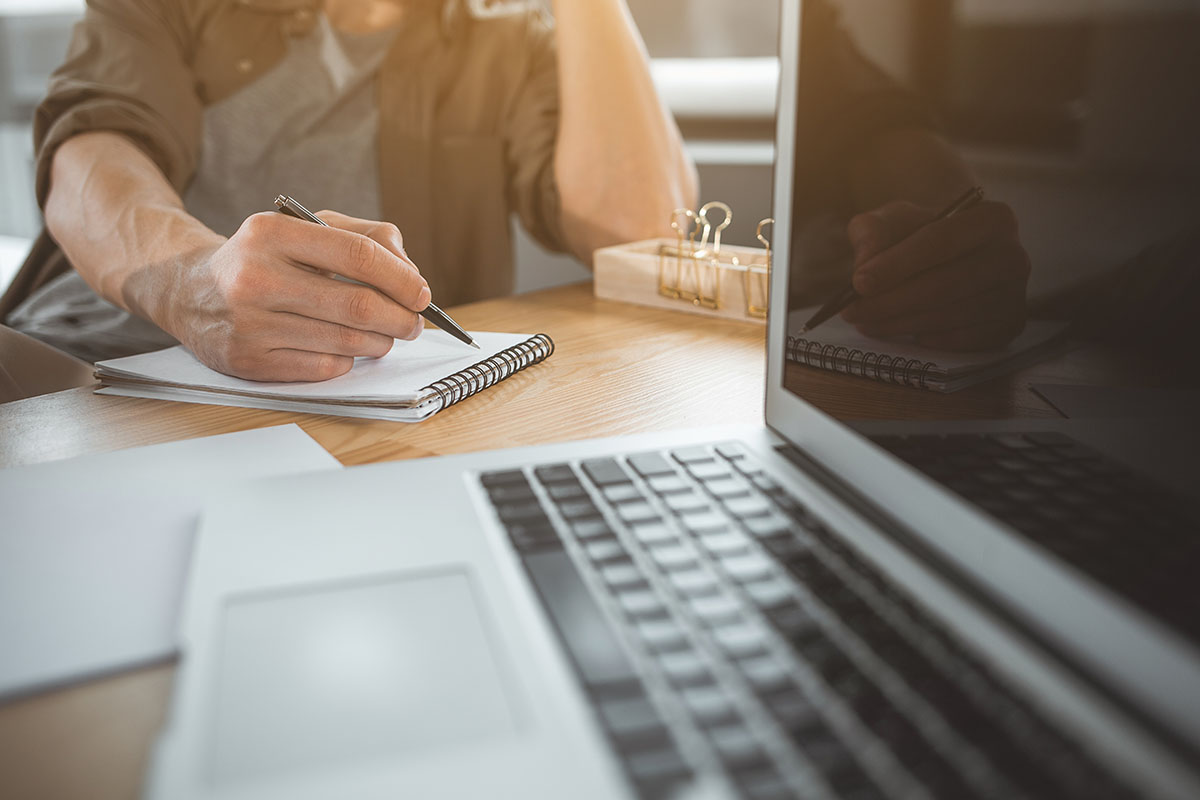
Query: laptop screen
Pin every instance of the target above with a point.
(1080, 122)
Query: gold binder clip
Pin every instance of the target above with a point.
(671, 288)
(706, 264)
(759, 275)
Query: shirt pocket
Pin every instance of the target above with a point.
(245, 39)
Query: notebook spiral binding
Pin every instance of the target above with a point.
(863, 363)
(477, 377)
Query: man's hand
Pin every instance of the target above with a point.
(265, 305)
(956, 284)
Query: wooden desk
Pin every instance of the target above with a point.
(617, 369)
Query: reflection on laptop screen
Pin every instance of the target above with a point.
(1082, 118)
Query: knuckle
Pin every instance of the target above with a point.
(392, 235)
(351, 340)
(360, 307)
(330, 366)
(363, 256)
(257, 226)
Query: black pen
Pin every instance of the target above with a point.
(847, 296)
(432, 313)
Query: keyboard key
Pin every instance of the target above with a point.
(668, 484)
(692, 455)
(513, 477)
(623, 576)
(582, 627)
(572, 490)
(769, 594)
(748, 568)
(735, 745)
(522, 512)
(740, 640)
(650, 464)
(742, 507)
(709, 705)
(685, 667)
(605, 471)
(692, 582)
(724, 544)
(605, 550)
(511, 493)
(673, 557)
(731, 451)
(591, 528)
(715, 609)
(704, 522)
(578, 509)
(654, 533)
(641, 603)
(767, 525)
(556, 473)
(686, 502)
(705, 471)
(661, 635)
(727, 489)
(764, 674)
(637, 512)
(621, 493)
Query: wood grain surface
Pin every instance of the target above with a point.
(617, 369)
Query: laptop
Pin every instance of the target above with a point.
(791, 610)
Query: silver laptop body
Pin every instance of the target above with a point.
(387, 632)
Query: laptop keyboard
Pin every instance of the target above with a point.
(1110, 523)
(725, 635)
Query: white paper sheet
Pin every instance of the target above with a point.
(94, 550)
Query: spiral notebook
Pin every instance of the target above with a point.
(838, 346)
(411, 383)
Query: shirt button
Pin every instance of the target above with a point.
(245, 65)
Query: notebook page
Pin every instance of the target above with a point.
(837, 331)
(397, 377)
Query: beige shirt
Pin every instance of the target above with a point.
(468, 118)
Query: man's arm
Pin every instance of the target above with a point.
(251, 305)
(620, 165)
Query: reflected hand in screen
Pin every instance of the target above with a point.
(956, 284)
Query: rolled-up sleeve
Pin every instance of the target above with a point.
(127, 71)
(531, 137)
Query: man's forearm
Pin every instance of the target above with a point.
(620, 163)
(120, 223)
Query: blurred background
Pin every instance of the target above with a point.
(1033, 91)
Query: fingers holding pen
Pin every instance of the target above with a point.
(925, 245)
(343, 252)
(359, 307)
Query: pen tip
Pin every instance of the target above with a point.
(803, 329)
(477, 347)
